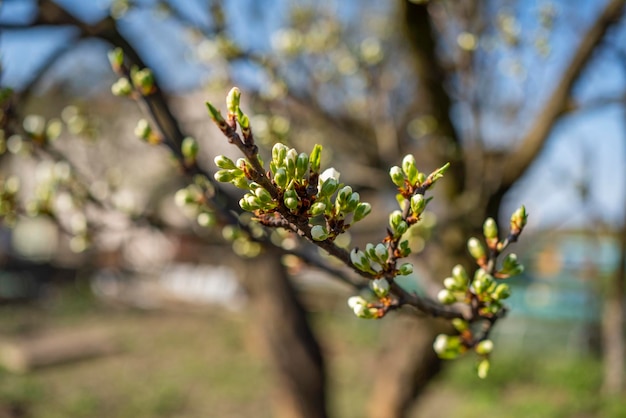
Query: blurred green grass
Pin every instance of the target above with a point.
(209, 364)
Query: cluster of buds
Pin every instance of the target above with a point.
(139, 80)
(484, 292)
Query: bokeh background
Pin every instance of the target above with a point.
(114, 301)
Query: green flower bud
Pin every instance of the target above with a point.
(519, 219)
(243, 203)
(215, 114)
(263, 195)
(302, 165)
(382, 253)
(510, 261)
(397, 177)
(319, 233)
(446, 297)
(291, 199)
(356, 300)
(279, 152)
(224, 176)
(316, 158)
(344, 194)
(421, 178)
(253, 201)
(454, 285)
(232, 100)
(143, 80)
(224, 162)
(352, 202)
(359, 259)
(447, 347)
(281, 177)
(189, 148)
(205, 219)
(482, 281)
(490, 229)
(380, 287)
(460, 324)
(370, 249)
(405, 269)
(143, 130)
(329, 186)
(395, 218)
(502, 291)
(116, 58)
(317, 208)
(122, 87)
(484, 347)
(460, 275)
(404, 248)
(362, 210)
(409, 168)
(475, 248)
(418, 204)
(483, 368)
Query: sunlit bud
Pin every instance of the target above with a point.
(243, 119)
(452, 284)
(502, 291)
(405, 269)
(116, 58)
(409, 168)
(404, 248)
(232, 100)
(243, 203)
(510, 261)
(302, 165)
(290, 159)
(319, 233)
(490, 229)
(358, 257)
(484, 347)
(316, 158)
(370, 249)
(352, 202)
(281, 177)
(459, 274)
(446, 297)
(395, 218)
(482, 281)
(362, 210)
(475, 248)
(263, 195)
(421, 178)
(362, 311)
(418, 203)
(143, 81)
(519, 269)
(189, 148)
(252, 200)
(223, 176)
(279, 152)
(291, 200)
(447, 347)
(483, 368)
(328, 187)
(122, 87)
(143, 129)
(317, 208)
(215, 114)
(240, 181)
(356, 300)
(224, 162)
(205, 219)
(343, 194)
(397, 177)
(460, 324)
(380, 287)
(519, 219)
(381, 252)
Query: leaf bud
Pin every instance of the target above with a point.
(116, 58)
(232, 100)
(243, 119)
(380, 287)
(490, 229)
(316, 158)
(475, 248)
(362, 210)
(215, 114)
(319, 233)
(502, 291)
(397, 177)
(518, 220)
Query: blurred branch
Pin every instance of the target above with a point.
(516, 163)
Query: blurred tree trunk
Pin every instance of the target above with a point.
(287, 339)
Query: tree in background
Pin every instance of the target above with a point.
(371, 93)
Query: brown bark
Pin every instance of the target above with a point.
(287, 339)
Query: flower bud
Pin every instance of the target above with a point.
(502, 291)
(490, 229)
(362, 210)
(482, 281)
(291, 200)
(454, 285)
(232, 100)
(359, 259)
(395, 218)
(263, 195)
(281, 177)
(116, 58)
(279, 152)
(317, 208)
(143, 80)
(484, 347)
(224, 162)
(475, 248)
(224, 176)
(380, 287)
(446, 297)
(382, 253)
(483, 368)
(460, 275)
(189, 148)
(397, 177)
(418, 204)
(319, 233)
(290, 159)
(409, 168)
(316, 158)
(302, 165)
(447, 347)
(328, 187)
(352, 202)
(405, 269)
(143, 130)
(356, 300)
(122, 87)
(438, 173)
(460, 324)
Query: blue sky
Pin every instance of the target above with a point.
(588, 142)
